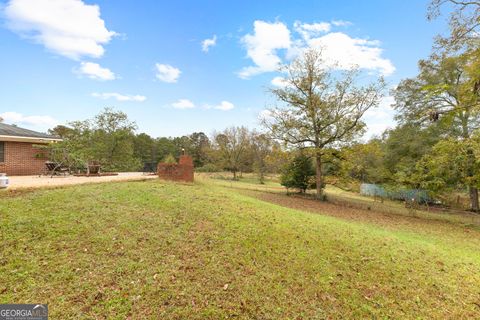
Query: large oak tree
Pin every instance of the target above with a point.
(320, 107)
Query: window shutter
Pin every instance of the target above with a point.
(2, 151)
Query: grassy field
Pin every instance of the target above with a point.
(159, 250)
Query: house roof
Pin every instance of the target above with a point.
(8, 130)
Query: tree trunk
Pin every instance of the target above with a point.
(234, 175)
(319, 175)
(473, 191)
(474, 199)
(261, 177)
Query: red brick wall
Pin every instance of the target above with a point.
(20, 159)
(181, 171)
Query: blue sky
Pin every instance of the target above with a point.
(65, 60)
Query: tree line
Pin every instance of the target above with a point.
(110, 139)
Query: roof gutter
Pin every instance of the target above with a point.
(29, 139)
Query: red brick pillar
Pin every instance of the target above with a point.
(186, 160)
(185, 164)
(181, 171)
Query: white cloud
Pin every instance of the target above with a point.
(384, 109)
(381, 118)
(279, 82)
(187, 104)
(339, 49)
(207, 43)
(70, 28)
(224, 106)
(310, 30)
(183, 104)
(167, 73)
(262, 47)
(341, 23)
(119, 97)
(95, 71)
(20, 119)
(264, 114)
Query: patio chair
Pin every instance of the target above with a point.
(56, 169)
(149, 167)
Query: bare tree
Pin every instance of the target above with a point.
(232, 144)
(320, 108)
(262, 147)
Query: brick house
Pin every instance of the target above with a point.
(18, 152)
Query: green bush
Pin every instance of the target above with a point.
(298, 174)
(169, 159)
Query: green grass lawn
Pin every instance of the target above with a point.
(158, 250)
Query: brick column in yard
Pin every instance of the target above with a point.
(181, 171)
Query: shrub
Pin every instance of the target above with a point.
(298, 174)
(169, 159)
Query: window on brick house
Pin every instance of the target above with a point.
(2, 151)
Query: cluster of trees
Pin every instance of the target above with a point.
(107, 139)
(110, 139)
(436, 145)
(239, 150)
